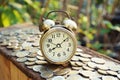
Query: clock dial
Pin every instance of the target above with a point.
(58, 45)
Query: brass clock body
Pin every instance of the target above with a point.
(58, 44)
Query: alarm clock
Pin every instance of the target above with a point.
(58, 42)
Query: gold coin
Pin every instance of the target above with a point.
(63, 72)
(40, 58)
(102, 72)
(98, 60)
(32, 55)
(87, 68)
(73, 63)
(41, 62)
(84, 59)
(79, 64)
(54, 68)
(31, 59)
(58, 78)
(73, 72)
(76, 68)
(47, 74)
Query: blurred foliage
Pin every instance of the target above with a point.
(90, 17)
(19, 11)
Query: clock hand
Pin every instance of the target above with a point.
(54, 48)
(53, 43)
(64, 40)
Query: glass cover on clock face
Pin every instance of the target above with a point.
(58, 46)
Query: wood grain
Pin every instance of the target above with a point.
(4, 69)
(9, 71)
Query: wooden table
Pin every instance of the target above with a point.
(10, 69)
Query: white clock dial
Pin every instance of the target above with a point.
(58, 45)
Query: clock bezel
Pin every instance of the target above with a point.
(54, 29)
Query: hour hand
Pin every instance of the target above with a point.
(53, 43)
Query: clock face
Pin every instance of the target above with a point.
(58, 45)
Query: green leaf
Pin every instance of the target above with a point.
(97, 45)
(18, 16)
(108, 24)
(89, 35)
(104, 31)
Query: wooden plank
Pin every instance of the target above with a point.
(16, 74)
(4, 68)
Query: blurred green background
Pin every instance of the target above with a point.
(98, 20)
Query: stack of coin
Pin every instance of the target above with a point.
(24, 44)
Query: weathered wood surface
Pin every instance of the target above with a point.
(9, 71)
(9, 66)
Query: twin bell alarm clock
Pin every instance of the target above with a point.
(58, 41)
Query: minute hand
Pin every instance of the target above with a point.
(64, 40)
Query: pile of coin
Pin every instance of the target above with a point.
(24, 44)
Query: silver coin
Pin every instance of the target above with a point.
(63, 72)
(29, 63)
(98, 60)
(102, 67)
(118, 76)
(75, 58)
(75, 77)
(95, 78)
(30, 67)
(47, 74)
(32, 59)
(79, 50)
(26, 46)
(84, 59)
(85, 55)
(109, 78)
(22, 53)
(87, 74)
(43, 69)
(85, 67)
(36, 68)
(112, 73)
(92, 65)
(21, 59)
(58, 78)
(41, 62)
(39, 53)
